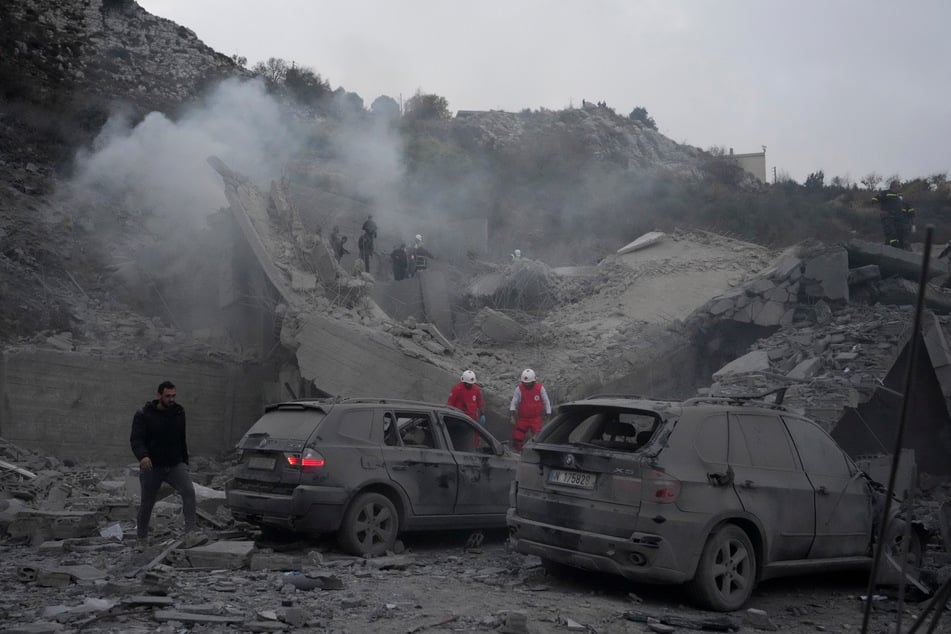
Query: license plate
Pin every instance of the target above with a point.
(571, 478)
(259, 462)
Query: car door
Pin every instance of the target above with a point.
(485, 471)
(771, 484)
(419, 461)
(844, 512)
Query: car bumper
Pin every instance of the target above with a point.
(645, 557)
(309, 509)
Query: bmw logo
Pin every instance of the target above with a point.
(569, 460)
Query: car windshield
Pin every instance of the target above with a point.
(608, 427)
(297, 424)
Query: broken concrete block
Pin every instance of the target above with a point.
(52, 578)
(720, 306)
(867, 273)
(759, 286)
(759, 620)
(498, 327)
(652, 237)
(53, 524)
(806, 369)
(831, 272)
(755, 361)
(185, 617)
(784, 267)
(515, 623)
(301, 281)
(275, 561)
(314, 581)
(770, 314)
(224, 554)
(37, 627)
(777, 294)
(823, 312)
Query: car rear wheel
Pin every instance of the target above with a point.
(726, 572)
(369, 526)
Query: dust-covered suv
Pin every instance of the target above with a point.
(368, 469)
(716, 493)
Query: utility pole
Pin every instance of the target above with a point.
(774, 174)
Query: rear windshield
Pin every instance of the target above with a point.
(297, 424)
(608, 427)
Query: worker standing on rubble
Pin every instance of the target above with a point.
(419, 256)
(516, 255)
(467, 397)
(528, 403)
(897, 216)
(158, 441)
(398, 259)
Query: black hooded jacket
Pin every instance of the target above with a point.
(160, 434)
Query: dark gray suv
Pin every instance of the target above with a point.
(717, 493)
(368, 469)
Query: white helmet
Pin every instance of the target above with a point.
(518, 253)
(419, 238)
(528, 375)
(468, 376)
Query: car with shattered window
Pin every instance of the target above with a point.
(714, 493)
(368, 469)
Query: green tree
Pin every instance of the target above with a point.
(306, 85)
(386, 107)
(274, 70)
(426, 107)
(815, 180)
(640, 115)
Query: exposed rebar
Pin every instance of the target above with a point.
(899, 435)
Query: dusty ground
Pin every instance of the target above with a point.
(437, 585)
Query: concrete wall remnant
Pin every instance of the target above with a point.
(80, 406)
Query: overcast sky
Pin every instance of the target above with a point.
(845, 86)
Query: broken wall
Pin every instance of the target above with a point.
(871, 427)
(80, 406)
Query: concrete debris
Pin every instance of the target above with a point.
(642, 242)
(759, 620)
(499, 328)
(754, 361)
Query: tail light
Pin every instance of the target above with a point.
(307, 462)
(658, 486)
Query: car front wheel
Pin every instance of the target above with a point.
(726, 572)
(369, 526)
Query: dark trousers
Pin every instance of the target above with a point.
(896, 230)
(151, 482)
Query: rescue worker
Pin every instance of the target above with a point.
(340, 249)
(398, 259)
(335, 241)
(528, 403)
(419, 256)
(897, 216)
(467, 397)
(365, 246)
(517, 255)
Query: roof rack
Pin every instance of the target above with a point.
(758, 400)
(306, 403)
(387, 401)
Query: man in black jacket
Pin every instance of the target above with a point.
(158, 441)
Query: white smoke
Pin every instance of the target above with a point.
(159, 166)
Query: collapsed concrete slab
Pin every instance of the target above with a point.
(755, 361)
(890, 261)
(903, 292)
(337, 357)
(499, 328)
(644, 241)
